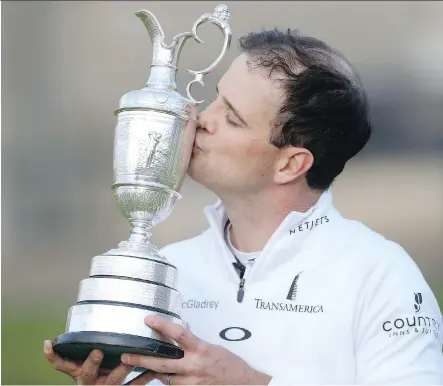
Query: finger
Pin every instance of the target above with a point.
(104, 372)
(183, 336)
(90, 367)
(161, 365)
(176, 379)
(118, 375)
(64, 365)
(142, 379)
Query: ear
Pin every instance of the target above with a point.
(292, 163)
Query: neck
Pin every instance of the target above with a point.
(255, 218)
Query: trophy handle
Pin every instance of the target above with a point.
(220, 18)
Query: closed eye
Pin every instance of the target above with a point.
(230, 121)
(234, 111)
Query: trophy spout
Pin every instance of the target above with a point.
(164, 57)
(153, 26)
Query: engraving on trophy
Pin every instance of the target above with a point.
(161, 98)
(148, 146)
(153, 141)
(146, 151)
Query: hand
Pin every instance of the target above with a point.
(88, 372)
(203, 363)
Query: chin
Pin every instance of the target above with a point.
(192, 171)
(198, 175)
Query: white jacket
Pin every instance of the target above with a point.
(328, 301)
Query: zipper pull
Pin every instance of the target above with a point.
(241, 291)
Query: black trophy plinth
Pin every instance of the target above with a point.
(77, 346)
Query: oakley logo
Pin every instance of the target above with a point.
(236, 334)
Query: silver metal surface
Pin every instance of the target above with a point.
(155, 134)
(153, 141)
(136, 268)
(116, 319)
(129, 291)
(165, 57)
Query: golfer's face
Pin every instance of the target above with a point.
(233, 150)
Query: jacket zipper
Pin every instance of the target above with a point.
(241, 291)
(241, 286)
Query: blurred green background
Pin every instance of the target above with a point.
(66, 64)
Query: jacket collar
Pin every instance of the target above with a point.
(285, 243)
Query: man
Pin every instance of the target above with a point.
(281, 289)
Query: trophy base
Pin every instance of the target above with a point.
(76, 346)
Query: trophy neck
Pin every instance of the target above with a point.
(163, 77)
(140, 231)
(164, 62)
(138, 244)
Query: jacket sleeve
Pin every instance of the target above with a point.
(398, 329)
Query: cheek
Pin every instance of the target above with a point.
(255, 156)
(233, 151)
(254, 148)
(238, 150)
(259, 152)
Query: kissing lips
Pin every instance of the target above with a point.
(197, 147)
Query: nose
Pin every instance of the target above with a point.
(206, 120)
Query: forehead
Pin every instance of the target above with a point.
(250, 91)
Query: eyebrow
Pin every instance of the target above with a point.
(233, 109)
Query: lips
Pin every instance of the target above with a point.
(197, 146)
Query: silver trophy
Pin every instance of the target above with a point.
(153, 143)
